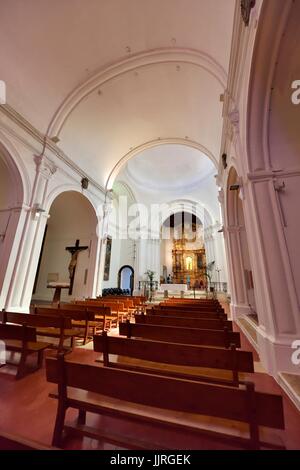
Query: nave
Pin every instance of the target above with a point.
(149, 220)
(20, 407)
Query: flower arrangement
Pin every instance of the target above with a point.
(150, 274)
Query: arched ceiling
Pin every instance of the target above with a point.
(50, 49)
(139, 107)
(170, 168)
(174, 176)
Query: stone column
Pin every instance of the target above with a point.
(271, 215)
(103, 224)
(20, 290)
(239, 296)
(11, 234)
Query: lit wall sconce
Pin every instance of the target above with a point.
(37, 210)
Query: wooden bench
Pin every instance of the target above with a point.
(214, 365)
(23, 339)
(202, 323)
(134, 303)
(49, 326)
(185, 313)
(191, 308)
(175, 334)
(118, 312)
(81, 321)
(173, 300)
(185, 405)
(13, 442)
(102, 313)
(197, 303)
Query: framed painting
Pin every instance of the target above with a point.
(107, 259)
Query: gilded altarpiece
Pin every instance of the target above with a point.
(189, 261)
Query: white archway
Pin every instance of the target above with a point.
(12, 194)
(158, 56)
(155, 143)
(72, 217)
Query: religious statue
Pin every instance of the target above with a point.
(73, 263)
(74, 251)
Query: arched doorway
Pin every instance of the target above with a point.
(69, 248)
(243, 298)
(126, 278)
(11, 200)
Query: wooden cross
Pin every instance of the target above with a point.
(74, 252)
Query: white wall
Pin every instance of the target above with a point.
(71, 217)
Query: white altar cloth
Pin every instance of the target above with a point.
(174, 287)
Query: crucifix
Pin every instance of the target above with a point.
(74, 252)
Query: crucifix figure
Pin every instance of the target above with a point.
(74, 252)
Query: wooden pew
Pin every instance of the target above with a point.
(194, 308)
(185, 313)
(202, 323)
(22, 339)
(130, 304)
(106, 314)
(162, 401)
(137, 303)
(191, 301)
(214, 365)
(13, 442)
(49, 326)
(81, 320)
(126, 301)
(137, 300)
(188, 302)
(117, 308)
(219, 338)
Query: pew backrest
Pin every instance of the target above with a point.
(72, 314)
(220, 338)
(173, 353)
(185, 313)
(49, 321)
(202, 308)
(17, 332)
(201, 323)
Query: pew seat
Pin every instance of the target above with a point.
(23, 339)
(214, 413)
(12, 442)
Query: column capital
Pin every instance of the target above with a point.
(107, 208)
(44, 166)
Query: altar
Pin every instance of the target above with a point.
(174, 287)
(58, 286)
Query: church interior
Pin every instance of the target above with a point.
(149, 257)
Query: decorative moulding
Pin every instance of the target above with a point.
(45, 141)
(153, 143)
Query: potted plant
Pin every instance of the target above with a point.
(150, 274)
